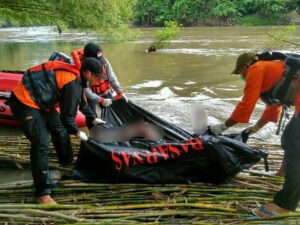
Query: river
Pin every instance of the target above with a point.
(195, 68)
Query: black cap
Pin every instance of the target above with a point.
(92, 50)
(93, 65)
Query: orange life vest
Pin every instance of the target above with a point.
(103, 86)
(40, 86)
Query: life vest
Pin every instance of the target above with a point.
(284, 91)
(103, 86)
(40, 82)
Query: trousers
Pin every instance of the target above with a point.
(37, 125)
(289, 196)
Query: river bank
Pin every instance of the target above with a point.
(90, 203)
(250, 20)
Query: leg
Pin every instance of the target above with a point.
(34, 128)
(289, 196)
(286, 138)
(36, 131)
(286, 200)
(60, 138)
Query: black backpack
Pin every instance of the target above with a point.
(283, 92)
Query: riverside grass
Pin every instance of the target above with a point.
(91, 203)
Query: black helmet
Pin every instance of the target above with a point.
(59, 56)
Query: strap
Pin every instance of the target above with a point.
(293, 89)
(35, 91)
(281, 124)
(49, 80)
(266, 163)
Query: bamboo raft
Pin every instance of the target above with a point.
(90, 203)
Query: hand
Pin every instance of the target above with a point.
(82, 136)
(217, 128)
(124, 97)
(252, 129)
(98, 121)
(106, 102)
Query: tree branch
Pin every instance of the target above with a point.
(289, 42)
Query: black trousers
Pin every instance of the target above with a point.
(288, 197)
(37, 125)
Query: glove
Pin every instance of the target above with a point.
(218, 128)
(124, 97)
(98, 121)
(252, 129)
(106, 102)
(82, 136)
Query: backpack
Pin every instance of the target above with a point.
(283, 92)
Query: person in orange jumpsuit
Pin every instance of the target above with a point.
(259, 77)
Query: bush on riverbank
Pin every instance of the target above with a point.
(265, 21)
(214, 12)
(9, 18)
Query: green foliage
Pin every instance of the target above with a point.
(264, 21)
(226, 12)
(279, 38)
(189, 12)
(223, 9)
(149, 12)
(105, 17)
(161, 37)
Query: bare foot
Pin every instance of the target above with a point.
(280, 173)
(46, 199)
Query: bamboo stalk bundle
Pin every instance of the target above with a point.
(91, 203)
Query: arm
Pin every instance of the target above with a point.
(112, 78)
(270, 114)
(70, 97)
(96, 99)
(85, 109)
(91, 96)
(77, 57)
(252, 90)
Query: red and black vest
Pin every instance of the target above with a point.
(103, 86)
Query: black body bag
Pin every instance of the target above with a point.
(178, 157)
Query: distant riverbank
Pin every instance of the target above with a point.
(251, 20)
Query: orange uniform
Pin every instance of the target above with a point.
(260, 77)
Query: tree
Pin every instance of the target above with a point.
(280, 38)
(224, 10)
(189, 12)
(153, 12)
(109, 18)
(161, 37)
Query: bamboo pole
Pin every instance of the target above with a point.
(91, 203)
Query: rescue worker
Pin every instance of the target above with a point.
(107, 88)
(259, 77)
(33, 102)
